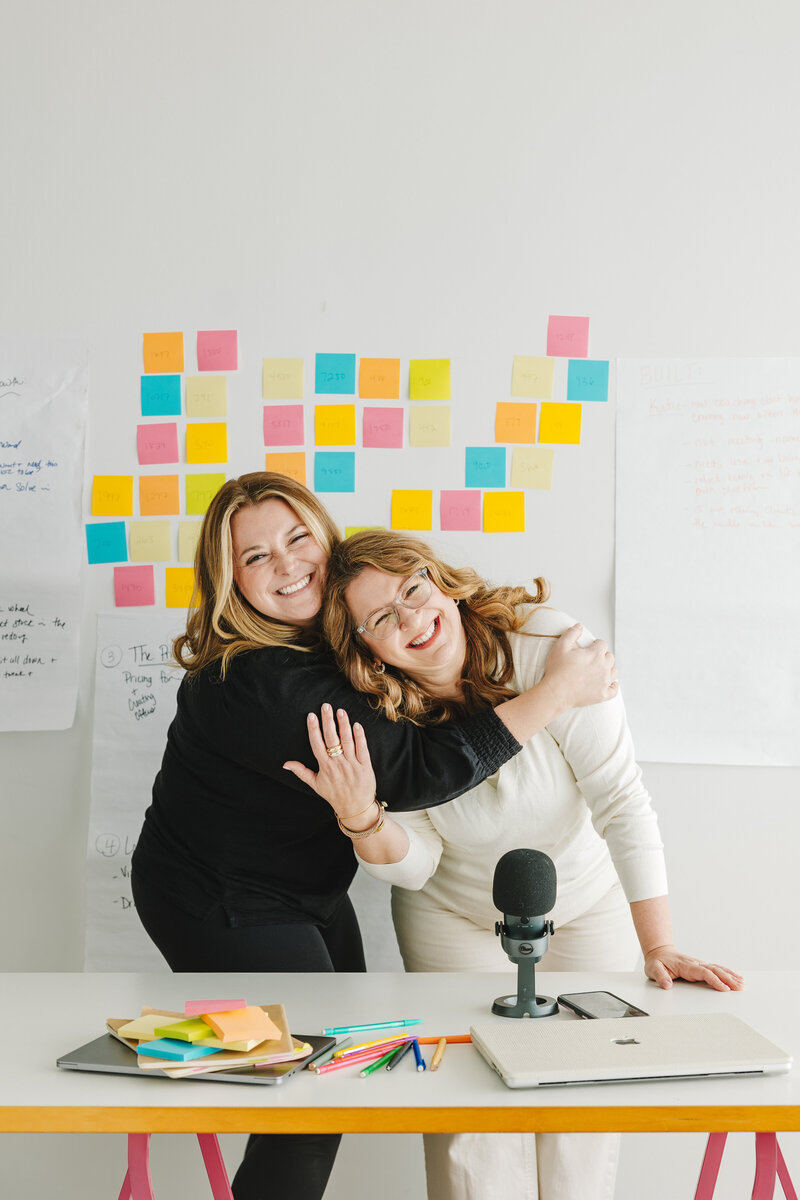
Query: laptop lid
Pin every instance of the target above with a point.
(541, 1052)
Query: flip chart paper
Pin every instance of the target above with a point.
(163, 353)
(161, 395)
(334, 472)
(335, 374)
(429, 379)
(159, 495)
(587, 379)
(207, 442)
(504, 512)
(568, 337)
(560, 423)
(200, 491)
(412, 509)
(532, 377)
(515, 423)
(151, 541)
(460, 510)
(134, 586)
(179, 582)
(217, 350)
(157, 443)
(532, 467)
(335, 424)
(379, 379)
(429, 426)
(188, 534)
(485, 467)
(707, 517)
(283, 425)
(206, 396)
(293, 465)
(383, 428)
(106, 542)
(282, 379)
(112, 496)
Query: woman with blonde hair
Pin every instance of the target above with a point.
(431, 643)
(241, 867)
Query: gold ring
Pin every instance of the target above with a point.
(335, 751)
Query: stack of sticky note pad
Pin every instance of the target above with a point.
(210, 1035)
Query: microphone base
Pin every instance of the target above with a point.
(512, 1006)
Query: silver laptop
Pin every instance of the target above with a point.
(541, 1052)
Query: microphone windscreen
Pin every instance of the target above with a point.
(524, 883)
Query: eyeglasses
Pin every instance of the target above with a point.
(415, 592)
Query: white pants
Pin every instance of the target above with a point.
(522, 1166)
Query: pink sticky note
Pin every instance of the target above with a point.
(283, 425)
(134, 586)
(383, 427)
(217, 350)
(198, 1008)
(157, 443)
(460, 510)
(568, 337)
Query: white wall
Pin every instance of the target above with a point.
(427, 178)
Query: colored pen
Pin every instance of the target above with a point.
(380, 1062)
(328, 1054)
(438, 1054)
(356, 1060)
(418, 1055)
(401, 1053)
(383, 1045)
(375, 1025)
(434, 1041)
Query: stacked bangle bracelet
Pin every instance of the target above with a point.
(356, 834)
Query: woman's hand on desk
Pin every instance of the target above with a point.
(665, 964)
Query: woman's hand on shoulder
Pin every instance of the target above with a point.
(664, 964)
(581, 675)
(345, 778)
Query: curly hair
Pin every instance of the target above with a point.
(222, 623)
(488, 615)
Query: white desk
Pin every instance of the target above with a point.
(47, 1015)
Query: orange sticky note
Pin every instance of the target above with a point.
(242, 1024)
(290, 463)
(515, 423)
(532, 377)
(335, 424)
(504, 512)
(379, 379)
(207, 443)
(412, 510)
(158, 495)
(112, 496)
(179, 586)
(560, 423)
(163, 353)
(532, 467)
(200, 491)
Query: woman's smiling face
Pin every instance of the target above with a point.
(277, 565)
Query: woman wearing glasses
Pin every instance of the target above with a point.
(239, 866)
(431, 643)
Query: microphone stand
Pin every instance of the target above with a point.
(525, 952)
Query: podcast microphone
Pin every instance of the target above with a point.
(524, 889)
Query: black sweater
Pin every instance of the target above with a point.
(229, 825)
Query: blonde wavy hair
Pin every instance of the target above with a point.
(223, 624)
(488, 615)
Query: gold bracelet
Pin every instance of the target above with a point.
(356, 834)
(350, 816)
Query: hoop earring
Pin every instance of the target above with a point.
(379, 667)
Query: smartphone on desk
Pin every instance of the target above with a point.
(599, 1004)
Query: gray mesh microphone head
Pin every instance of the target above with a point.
(524, 883)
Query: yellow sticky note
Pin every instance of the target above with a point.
(290, 463)
(163, 353)
(206, 396)
(335, 424)
(429, 426)
(515, 423)
(429, 379)
(349, 530)
(188, 534)
(282, 379)
(207, 443)
(412, 510)
(200, 491)
(179, 585)
(379, 379)
(504, 512)
(150, 541)
(532, 467)
(158, 495)
(532, 377)
(112, 496)
(560, 423)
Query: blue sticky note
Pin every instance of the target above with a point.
(587, 379)
(485, 467)
(335, 374)
(335, 471)
(173, 1049)
(106, 542)
(161, 395)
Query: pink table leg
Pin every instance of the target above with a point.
(137, 1184)
(710, 1168)
(215, 1167)
(783, 1175)
(766, 1166)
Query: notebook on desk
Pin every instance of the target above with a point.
(541, 1052)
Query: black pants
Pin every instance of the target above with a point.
(275, 1166)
